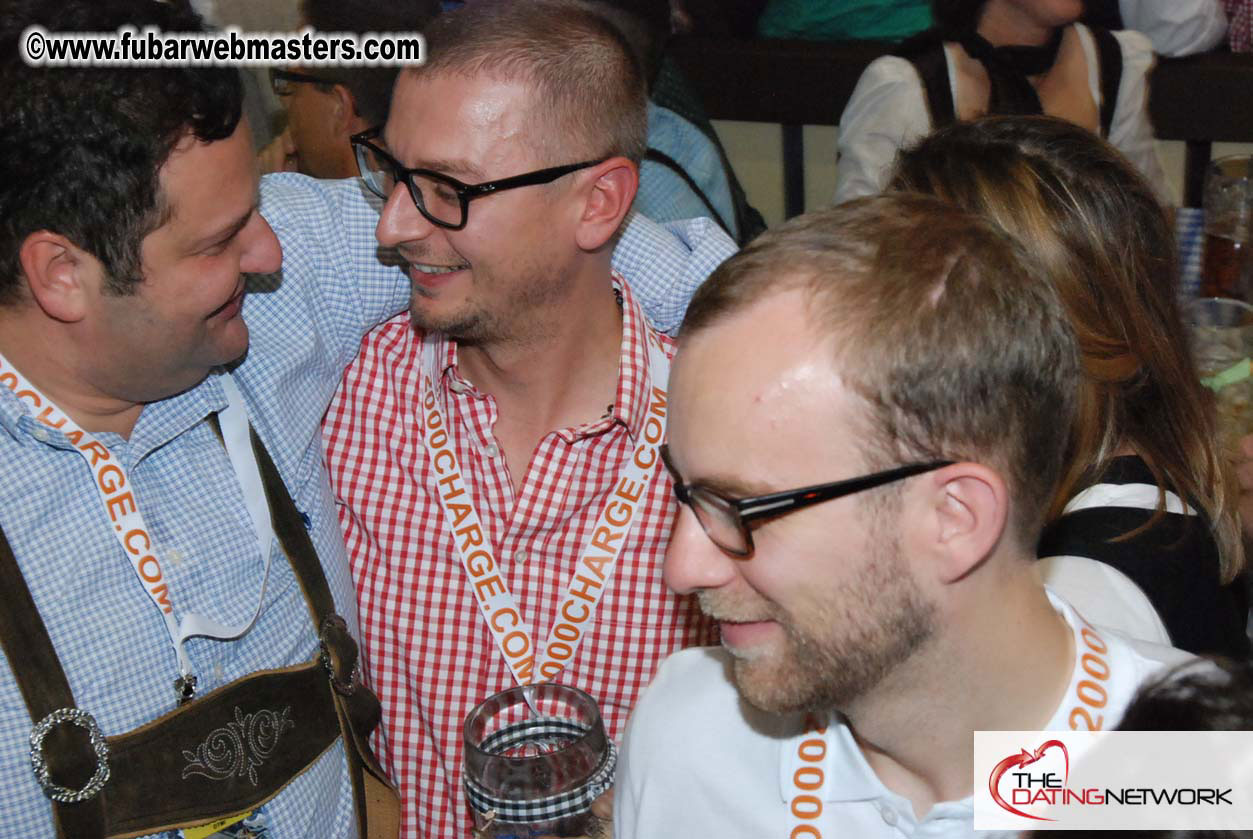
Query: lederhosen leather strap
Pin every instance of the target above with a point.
(44, 688)
(228, 751)
(358, 708)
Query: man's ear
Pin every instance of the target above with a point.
(344, 111)
(966, 516)
(56, 272)
(607, 199)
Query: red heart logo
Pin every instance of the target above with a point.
(1024, 758)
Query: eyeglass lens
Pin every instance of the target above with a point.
(719, 519)
(377, 173)
(436, 198)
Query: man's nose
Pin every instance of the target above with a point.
(401, 221)
(693, 562)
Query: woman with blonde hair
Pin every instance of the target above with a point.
(1149, 492)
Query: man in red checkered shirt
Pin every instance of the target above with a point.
(494, 450)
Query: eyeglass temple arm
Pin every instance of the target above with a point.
(780, 502)
(543, 176)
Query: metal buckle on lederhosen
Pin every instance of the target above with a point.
(99, 745)
(228, 752)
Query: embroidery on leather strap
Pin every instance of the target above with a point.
(238, 748)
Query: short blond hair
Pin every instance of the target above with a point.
(589, 91)
(940, 322)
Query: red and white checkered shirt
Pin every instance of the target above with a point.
(428, 652)
(1239, 24)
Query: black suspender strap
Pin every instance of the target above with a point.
(1109, 63)
(932, 67)
(931, 64)
(674, 166)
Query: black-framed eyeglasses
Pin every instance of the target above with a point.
(281, 81)
(442, 200)
(725, 520)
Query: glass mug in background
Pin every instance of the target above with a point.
(1221, 332)
(1228, 200)
(536, 758)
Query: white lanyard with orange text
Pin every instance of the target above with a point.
(599, 555)
(117, 495)
(806, 764)
(1085, 705)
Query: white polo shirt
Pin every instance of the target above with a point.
(698, 761)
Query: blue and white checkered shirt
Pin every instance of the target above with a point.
(664, 195)
(306, 324)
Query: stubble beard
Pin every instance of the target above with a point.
(499, 311)
(840, 644)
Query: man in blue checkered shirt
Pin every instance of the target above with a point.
(131, 215)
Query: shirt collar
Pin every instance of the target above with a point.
(159, 422)
(11, 412)
(635, 375)
(631, 401)
(853, 780)
(1120, 684)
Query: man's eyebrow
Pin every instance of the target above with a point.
(734, 487)
(459, 168)
(226, 233)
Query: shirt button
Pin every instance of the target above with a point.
(491, 450)
(889, 815)
(217, 672)
(520, 557)
(456, 386)
(40, 433)
(175, 556)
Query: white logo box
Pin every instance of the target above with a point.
(1059, 780)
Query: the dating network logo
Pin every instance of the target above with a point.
(1042, 778)
(1113, 780)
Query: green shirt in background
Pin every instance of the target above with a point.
(844, 20)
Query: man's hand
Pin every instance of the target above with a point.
(602, 809)
(602, 824)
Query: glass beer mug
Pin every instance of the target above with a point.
(1228, 199)
(1222, 337)
(536, 758)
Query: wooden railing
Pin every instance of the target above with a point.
(1200, 99)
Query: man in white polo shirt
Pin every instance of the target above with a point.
(869, 409)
